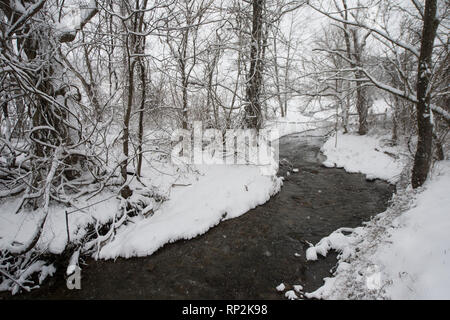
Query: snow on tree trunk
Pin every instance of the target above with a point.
(422, 159)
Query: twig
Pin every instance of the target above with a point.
(15, 281)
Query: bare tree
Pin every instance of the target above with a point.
(422, 160)
(423, 95)
(182, 38)
(55, 141)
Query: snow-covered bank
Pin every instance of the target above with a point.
(404, 252)
(17, 228)
(178, 201)
(221, 192)
(370, 155)
(195, 198)
(418, 258)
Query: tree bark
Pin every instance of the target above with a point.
(253, 116)
(423, 156)
(128, 64)
(362, 108)
(141, 114)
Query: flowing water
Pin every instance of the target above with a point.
(246, 257)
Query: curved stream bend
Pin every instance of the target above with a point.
(246, 257)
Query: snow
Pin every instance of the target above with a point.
(46, 271)
(418, 260)
(70, 20)
(195, 198)
(335, 241)
(298, 121)
(18, 227)
(73, 262)
(403, 253)
(298, 288)
(291, 295)
(311, 254)
(281, 287)
(22, 280)
(221, 192)
(380, 106)
(364, 154)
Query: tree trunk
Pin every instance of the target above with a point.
(253, 117)
(362, 107)
(277, 76)
(361, 92)
(141, 116)
(128, 64)
(395, 118)
(422, 159)
(141, 50)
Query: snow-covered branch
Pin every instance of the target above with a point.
(410, 97)
(445, 114)
(25, 16)
(382, 33)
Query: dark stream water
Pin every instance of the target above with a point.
(246, 257)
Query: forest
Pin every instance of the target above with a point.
(102, 102)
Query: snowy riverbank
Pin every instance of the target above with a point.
(373, 156)
(404, 252)
(220, 192)
(177, 202)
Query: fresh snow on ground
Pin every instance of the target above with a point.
(404, 252)
(195, 198)
(418, 258)
(198, 198)
(221, 192)
(366, 154)
(18, 228)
